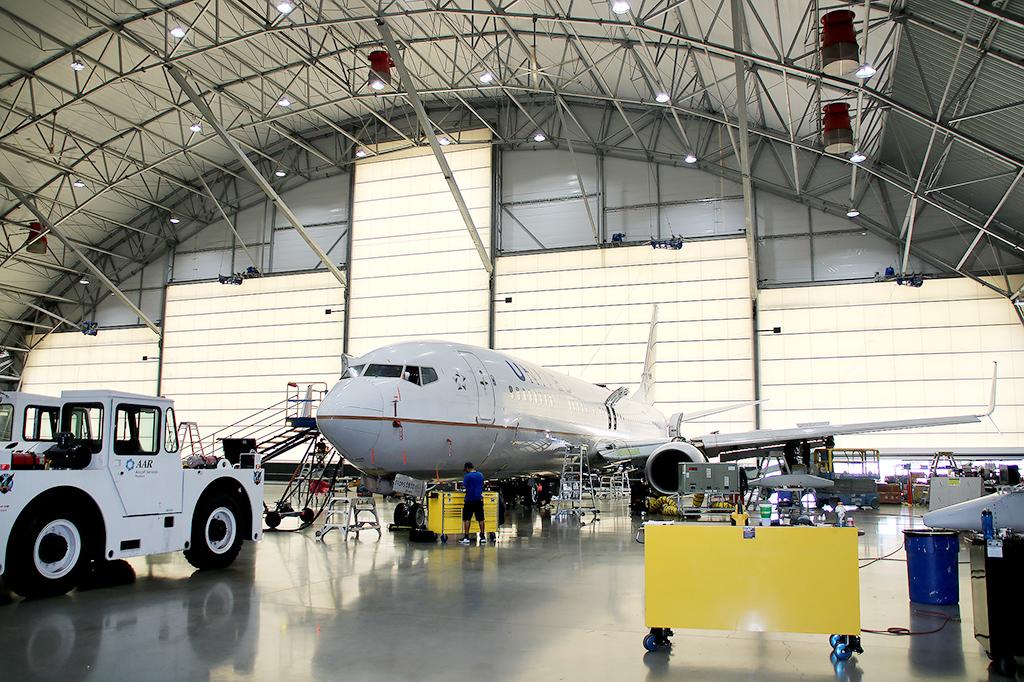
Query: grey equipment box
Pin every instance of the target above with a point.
(709, 477)
(946, 491)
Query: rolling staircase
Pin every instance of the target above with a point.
(576, 497)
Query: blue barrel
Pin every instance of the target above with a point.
(932, 572)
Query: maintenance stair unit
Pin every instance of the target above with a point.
(288, 427)
(576, 497)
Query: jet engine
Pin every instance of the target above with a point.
(662, 470)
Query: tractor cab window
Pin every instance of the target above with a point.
(6, 421)
(170, 431)
(84, 421)
(41, 422)
(427, 376)
(136, 430)
(384, 371)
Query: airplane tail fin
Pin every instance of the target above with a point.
(646, 391)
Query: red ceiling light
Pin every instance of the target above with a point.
(837, 133)
(839, 52)
(380, 69)
(36, 239)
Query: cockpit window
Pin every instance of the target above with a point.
(385, 371)
(352, 372)
(427, 376)
(412, 374)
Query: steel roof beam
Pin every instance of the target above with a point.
(92, 267)
(260, 181)
(428, 130)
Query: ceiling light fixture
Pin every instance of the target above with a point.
(662, 97)
(360, 153)
(77, 64)
(285, 7)
(280, 173)
(444, 141)
(865, 71)
(284, 102)
(175, 220)
(620, 6)
(852, 212)
(690, 158)
(196, 127)
(857, 157)
(539, 137)
(83, 280)
(486, 77)
(79, 183)
(178, 32)
(376, 83)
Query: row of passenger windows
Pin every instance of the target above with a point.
(421, 376)
(137, 427)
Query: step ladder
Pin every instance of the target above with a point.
(350, 515)
(576, 495)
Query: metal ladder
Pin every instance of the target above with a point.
(343, 513)
(576, 495)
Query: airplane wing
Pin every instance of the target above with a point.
(723, 443)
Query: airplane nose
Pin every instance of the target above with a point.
(350, 417)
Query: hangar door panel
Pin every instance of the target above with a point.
(231, 350)
(878, 351)
(415, 271)
(587, 313)
(116, 359)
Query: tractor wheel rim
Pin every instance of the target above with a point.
(220, 530)
(65, 532)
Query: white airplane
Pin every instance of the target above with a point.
(424, 408)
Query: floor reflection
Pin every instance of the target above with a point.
(552, 599)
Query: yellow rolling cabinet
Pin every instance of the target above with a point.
(444, 514)
(755, 579)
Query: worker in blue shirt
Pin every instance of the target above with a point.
(473, 482)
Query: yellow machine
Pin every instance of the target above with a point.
(444, 514)
(759, 581)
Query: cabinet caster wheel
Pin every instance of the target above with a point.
(444, 538)
(841, 652)
(651, 643)
(834, 639)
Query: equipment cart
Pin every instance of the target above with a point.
(680, 591)
(444, 513)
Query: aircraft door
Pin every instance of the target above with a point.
(484, 388)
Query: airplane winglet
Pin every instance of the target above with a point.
(992, 397)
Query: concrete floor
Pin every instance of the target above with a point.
(552, 601)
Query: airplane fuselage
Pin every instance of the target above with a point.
(425, 408)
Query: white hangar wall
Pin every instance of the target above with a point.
(587, 313)
(877, 351)
(415, 271)
(230, 351)
(119, 359)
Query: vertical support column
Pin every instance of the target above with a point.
(495, 240)
(348, 257)
(738, 32)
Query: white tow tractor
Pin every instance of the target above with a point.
(97, 475)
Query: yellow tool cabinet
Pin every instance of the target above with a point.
(754, 578)
(444, 514)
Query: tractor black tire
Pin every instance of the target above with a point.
(48, 553)
(216, 533)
